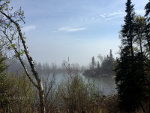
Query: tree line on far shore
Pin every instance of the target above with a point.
(103, 67)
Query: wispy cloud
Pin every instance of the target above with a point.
(72, 29)
(110, 16)
(29, 28)
(119, 14)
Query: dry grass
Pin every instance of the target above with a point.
(71, 96)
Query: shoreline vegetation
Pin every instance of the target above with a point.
(24, 89)
(105, 68)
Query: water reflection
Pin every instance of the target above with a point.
(106, 85)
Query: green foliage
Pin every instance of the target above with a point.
(93, 63)
(147, 28)
(77, 95)
(16, 92)
(147, 31)
(17, 95)
(4, 103)
(22, 94)
(107, 65)
(104, 69)
(130, 75)
(140, 24)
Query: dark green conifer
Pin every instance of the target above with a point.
(147, 31)
(147, 28)
(130, 77)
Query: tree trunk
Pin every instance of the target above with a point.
(39, 85)
(37, 77)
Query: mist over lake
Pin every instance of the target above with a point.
(74, 56)
(104, 84)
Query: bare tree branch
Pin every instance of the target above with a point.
(30, 60)
(20, 59)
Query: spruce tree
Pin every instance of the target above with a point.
(93, 63)
(147, 28)
(147, 31)
(129, 79)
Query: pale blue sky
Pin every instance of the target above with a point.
(80, 29)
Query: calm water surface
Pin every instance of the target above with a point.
(106, 85)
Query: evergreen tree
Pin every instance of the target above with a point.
(108, 64)
(147, 28)
(147, 31)
(93, 63)
(129, 79)
(111, 62)
(98, 65)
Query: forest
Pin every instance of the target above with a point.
(28, 91)
(105, 68)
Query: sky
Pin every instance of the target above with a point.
(78, 29)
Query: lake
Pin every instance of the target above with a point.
(106, 84)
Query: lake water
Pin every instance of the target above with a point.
(106, 85)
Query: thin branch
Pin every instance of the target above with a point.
(26, 71)
(24, 45)
(30, 60)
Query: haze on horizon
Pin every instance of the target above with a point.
(78, 29)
